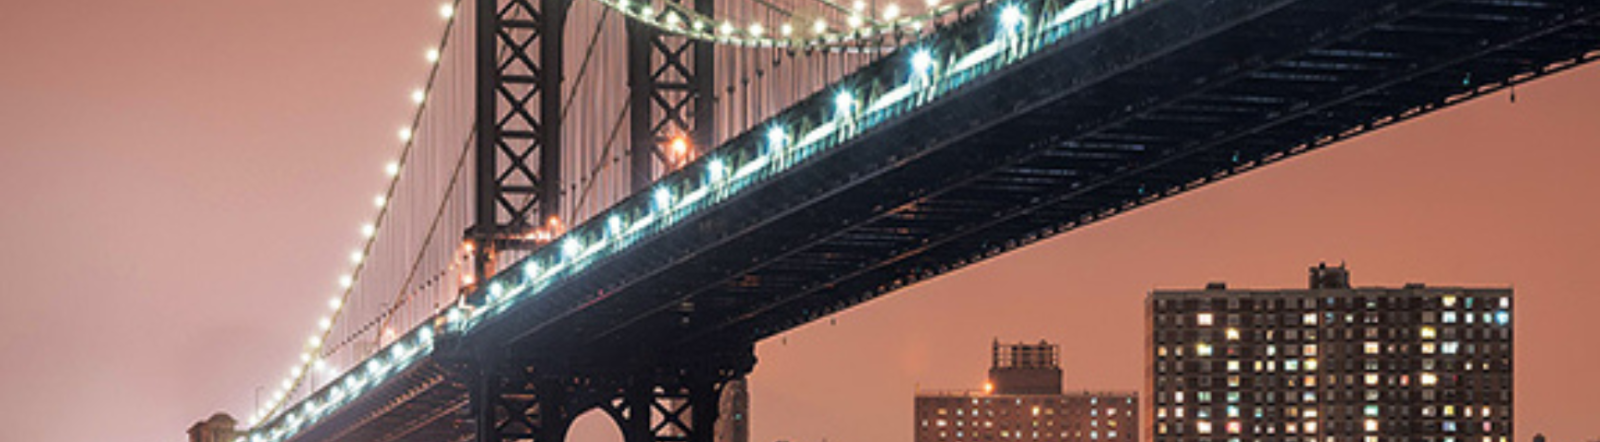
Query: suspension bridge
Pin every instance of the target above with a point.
(604, 204)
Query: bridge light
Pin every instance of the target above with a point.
(418, 95)
(819, 26)
(325, 323)
(335, 302)
(614, 223)
(933, 4)
(663, 198)
(447, 11)
(405, 134)
(295, 372)
(647, 11)
(844, 103)
(379, 201)
(432, 55)
(718, 170)
(891, 12)
(786, 29)
(531, 270)
(678, 147)
(860, 5)
(356, 257)
(1011, 17)
(304, 358)
(776, 137)
(571, 248)
(673, 19)
(756, 29)
(346, 281)
(392, 168)
(854, 21)
(699, 25)
(314, 341)
(922, 61)
(726, 28)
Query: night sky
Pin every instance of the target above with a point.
(180, 180)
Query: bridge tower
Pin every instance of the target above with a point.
(673, 396)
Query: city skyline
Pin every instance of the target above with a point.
(172, 229)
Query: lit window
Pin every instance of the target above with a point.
(1372, 425)
(1449, 317)
(1311, 364)
(1233, 366)
(1309, 319)
(1450, 348)
(1371, 410)
(1234, 427)
(1203, 427)
(1233, 334)
(1372, 379)
(1502, 317)
(1429, 348)
(1311, 427)
(1309, 349)
(1202, 349)
(1430, 379)
(1204, 319)
(1429, 333)
(1371, 348)
(1449, 301)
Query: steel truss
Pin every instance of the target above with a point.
(518, 400)
(518, 122)
(670, 81)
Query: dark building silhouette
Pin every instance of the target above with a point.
(219, 427)
(1330, 363)
(1023, 401)
(733, 414)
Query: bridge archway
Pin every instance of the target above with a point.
(595, 425)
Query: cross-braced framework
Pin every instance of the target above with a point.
(518, 144)
(514, 400)
(670, 81)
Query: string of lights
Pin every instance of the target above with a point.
(859, 25)
(312, 356)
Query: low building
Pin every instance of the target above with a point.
(1023, 400)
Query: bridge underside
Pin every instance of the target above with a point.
(1166, 99)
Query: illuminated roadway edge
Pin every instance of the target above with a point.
(1023, 135)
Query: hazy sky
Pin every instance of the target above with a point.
(180, 178)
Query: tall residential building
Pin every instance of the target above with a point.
(1022, 400)
(1329, 363)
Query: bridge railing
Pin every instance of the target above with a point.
(906, 81)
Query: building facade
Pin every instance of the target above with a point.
(1329, 363)
(1022, 400)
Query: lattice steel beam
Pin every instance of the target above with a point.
(518, 122)
(670, 81)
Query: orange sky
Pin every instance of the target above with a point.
(179, 180)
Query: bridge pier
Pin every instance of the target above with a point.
(650, 401)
